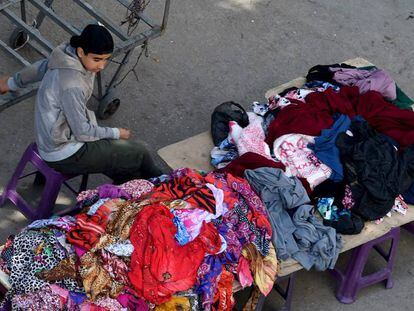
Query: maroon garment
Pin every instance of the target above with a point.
(315, 115)
(251, 161)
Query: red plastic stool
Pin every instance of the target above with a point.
(53, 183)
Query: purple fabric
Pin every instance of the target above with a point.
(132, 303)
(367, 80)
(112, 192)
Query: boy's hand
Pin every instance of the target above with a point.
(4, 88)
(124, 133)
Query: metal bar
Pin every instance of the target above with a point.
(13, 98)
(16, 55)
(125, 3)
(165, 17)
(147, 20)
(99, 79)
(29, 30)
(143, 17)
(38, 49)
(23, 11)
(137, 40)
(52, 15)
(118, 70)
(101, 18)
(41, 15)
(8, 3)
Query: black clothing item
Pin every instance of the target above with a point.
(94, 39)
(375, 171)
(222, 114)
(322, 73)
(346, 224)
(329, 189)
(285, 91)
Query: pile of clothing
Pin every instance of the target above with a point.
(177, 242)
(347, 134)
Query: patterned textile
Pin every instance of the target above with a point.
(191, 188)
(89, 228)
(223, 299)
(96, 280)
(108, 304)
(251, 138)
(264, 268)
(35, 301)
(64, 223)
(300, 161)
(35, 251)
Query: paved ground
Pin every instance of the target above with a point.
(221, 50)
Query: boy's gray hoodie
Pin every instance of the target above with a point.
(62, 121)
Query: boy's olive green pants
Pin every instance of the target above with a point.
(120, 160)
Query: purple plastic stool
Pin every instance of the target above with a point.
(285, 293)
(53, 183)
(409, 227)
(352, 280)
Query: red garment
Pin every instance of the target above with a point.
(315, 115)
(190, 188)
(159, 265)
(88, 229)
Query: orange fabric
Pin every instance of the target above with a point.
(223, 298)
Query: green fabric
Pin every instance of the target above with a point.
(402, 100)
(120, 160)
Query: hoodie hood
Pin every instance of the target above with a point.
(64, 57)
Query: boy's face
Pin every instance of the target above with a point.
(93, 62)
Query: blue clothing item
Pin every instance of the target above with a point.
(64, 223)
(326, 150)
(329, 211)
(224, 153)
(409, 195)
(94, 208)
(182, 235)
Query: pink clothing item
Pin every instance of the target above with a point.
(132, 303)
(38, 300)
(88, 306)
(251, 138)
(80, 251)
(292, 150)
(109, 304)
(86, 195)
(244, 273)
(292, 97)
(193, 218)
(348, 201)
(367, 80)
(400, 206)
(137, 188)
